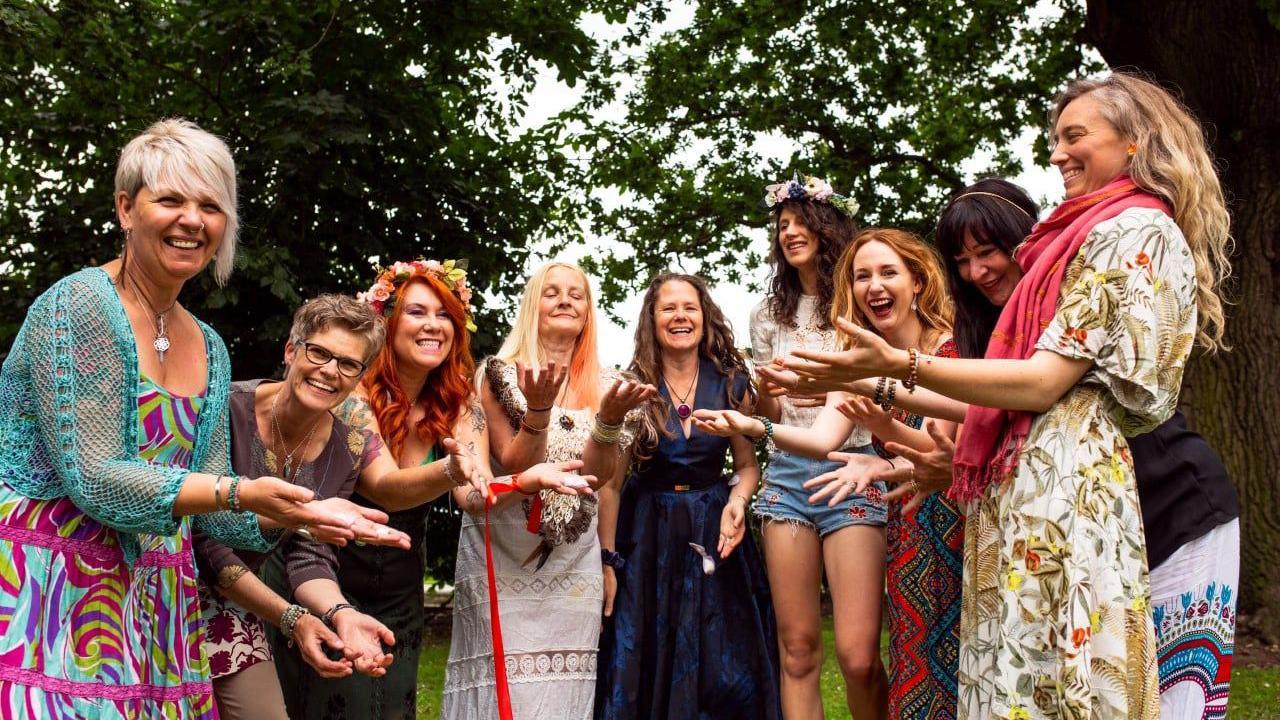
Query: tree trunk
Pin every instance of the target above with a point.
(1224, 56)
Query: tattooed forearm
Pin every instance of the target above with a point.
(355, 412)
(478, 422)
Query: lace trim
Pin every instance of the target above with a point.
(473, 591)
(98, 552)
(543, 666)
(62, 686)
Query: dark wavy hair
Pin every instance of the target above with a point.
(1002, 221)
(833, 230)
(717, 346)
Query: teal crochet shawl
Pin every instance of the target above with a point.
(69, 418)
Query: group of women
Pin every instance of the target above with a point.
(1056, 542)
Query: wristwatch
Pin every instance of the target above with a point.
(612, 559)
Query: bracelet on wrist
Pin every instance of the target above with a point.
(289, 621)
(612, 559)
(530, 408)
(448, 471)
(887, 404)
(606, 433)
(233, 494)
(768, 430)
(515, 483)
(735, 496)
(526, 427)
(913, 369)
(327, 618)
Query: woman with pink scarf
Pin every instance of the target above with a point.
(1121, 281)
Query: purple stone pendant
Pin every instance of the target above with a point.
(684, 411)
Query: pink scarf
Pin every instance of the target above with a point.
(992, 439)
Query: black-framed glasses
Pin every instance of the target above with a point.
(320, 355)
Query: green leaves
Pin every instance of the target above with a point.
(888, 101)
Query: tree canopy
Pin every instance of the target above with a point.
(886, 100)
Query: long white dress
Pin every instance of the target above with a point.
(551, 616)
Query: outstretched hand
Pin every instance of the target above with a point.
(622, 396)
(869, 356)
(561, 477)
(726, 423)
(858, 472)
(786, 382)
(927, 473)
(463, 467)
(541, 386)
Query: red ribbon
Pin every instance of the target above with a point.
(495, 619)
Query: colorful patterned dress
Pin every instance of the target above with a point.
(923, 575)
(1055, 620)
(102, 639)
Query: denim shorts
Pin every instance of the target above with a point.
(783, 497)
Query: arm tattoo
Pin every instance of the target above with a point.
(478, 422)
(355, 412)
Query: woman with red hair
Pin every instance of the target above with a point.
(549, 401)
(417, 400)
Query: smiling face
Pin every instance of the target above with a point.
(883, 286)
(424, 334)
(798, 243)
(677, 317)
(563, 306)
(171, 235)
(322, 387)
(989, 269)
(1087, 150)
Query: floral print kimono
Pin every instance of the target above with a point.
(1055, 622)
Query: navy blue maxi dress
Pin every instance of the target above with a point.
(682, 644)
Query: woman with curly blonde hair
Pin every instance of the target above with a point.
(1121, 280)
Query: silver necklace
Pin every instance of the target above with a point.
(275, 430)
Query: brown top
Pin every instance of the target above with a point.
(332, 474)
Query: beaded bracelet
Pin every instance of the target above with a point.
(233, 494)
(327, 618)
(448, 472)
(887, 405)
(913, 367)
(768, 430)
(879, 398)
(289, 620)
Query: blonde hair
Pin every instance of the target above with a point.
(523, 344)
(934, 306)
(178, 155)
(1171, 161)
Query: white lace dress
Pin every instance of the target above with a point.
(551, 616)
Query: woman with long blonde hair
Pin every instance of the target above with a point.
(1120, 281)
(547, 400)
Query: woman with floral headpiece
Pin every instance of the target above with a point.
(549, 400)
(811, 225)
(415, 405)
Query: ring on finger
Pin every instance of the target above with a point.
(305, 531)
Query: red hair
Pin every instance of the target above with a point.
(448, 388)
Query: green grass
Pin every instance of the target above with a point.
(1255, 692)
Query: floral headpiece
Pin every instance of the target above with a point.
(453, 273)
(808, 188)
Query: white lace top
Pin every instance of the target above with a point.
(771, 339)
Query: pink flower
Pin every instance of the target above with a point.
(432, 266)
(464, 294)
(381, 292)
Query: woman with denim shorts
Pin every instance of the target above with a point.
(811, 226)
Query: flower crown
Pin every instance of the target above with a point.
(453, 273)
(808, 187)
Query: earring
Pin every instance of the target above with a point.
(914, 305)
(1133, 149)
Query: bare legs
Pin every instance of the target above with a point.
(854, 559)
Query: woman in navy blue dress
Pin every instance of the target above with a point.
(691, 634)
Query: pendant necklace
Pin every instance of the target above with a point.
(275, 429)
(566, 420)
(161, 343)
(683, 409)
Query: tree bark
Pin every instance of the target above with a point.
(1224, 57)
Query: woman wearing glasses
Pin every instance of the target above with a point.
(287, 429)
